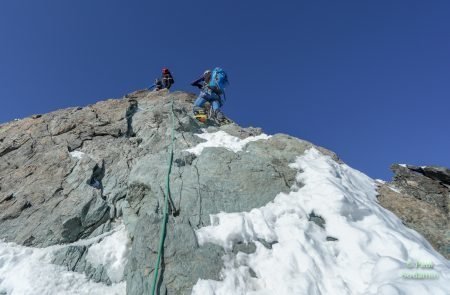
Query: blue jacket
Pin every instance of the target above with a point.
(202, 84)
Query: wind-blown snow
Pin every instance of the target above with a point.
(369, 257)
(28, 271)
(225, 140)
(111, 252)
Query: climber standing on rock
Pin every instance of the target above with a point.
(167, 79)
(165, 82)
(212, 85)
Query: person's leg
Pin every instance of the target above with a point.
(216, 104)
(199, 102)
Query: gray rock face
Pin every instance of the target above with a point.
(441, 174)
(421, 199)
(44, 196)
(67, 175)
(428, 184)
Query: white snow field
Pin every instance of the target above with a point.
(374, 252)
(28, 271)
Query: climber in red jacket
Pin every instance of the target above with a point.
(167, 79)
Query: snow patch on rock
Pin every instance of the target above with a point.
(225, 140)
(112, 253)
(394, 189)
(77, 154)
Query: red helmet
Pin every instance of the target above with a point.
(165, 71)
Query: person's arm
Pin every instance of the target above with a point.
(198, 83)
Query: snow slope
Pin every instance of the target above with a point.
(28, 271)
(373, 254)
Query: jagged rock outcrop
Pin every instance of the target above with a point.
(70, 174)
(420, 197)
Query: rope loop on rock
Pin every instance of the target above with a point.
(166, 202)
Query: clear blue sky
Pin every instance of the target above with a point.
(369, 80)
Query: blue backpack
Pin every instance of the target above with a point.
(219, 80)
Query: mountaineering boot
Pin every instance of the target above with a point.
(219, 116)
(200, 115)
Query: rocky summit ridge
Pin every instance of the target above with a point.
(71, 174)
(75, 174)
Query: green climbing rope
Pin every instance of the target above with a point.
(166, 203)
